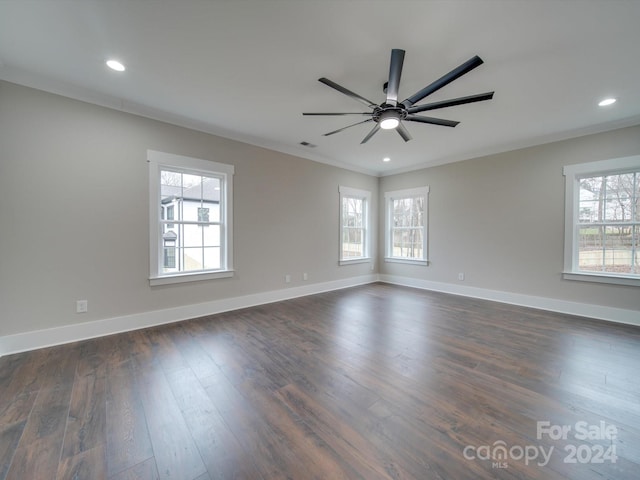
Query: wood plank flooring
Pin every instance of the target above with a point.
(373, 382)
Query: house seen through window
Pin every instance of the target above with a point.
(192, 226)
(189, 231)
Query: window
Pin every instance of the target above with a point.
(354, 225)
(602, 221)
(190, 218)
(406, 226)
(203, 215)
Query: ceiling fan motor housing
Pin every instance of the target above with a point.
(386, 111)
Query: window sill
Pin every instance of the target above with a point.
(601, 278)
(352, 261)
(409, 261)
(189, 277)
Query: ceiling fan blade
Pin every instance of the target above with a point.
(451, 103)
(341, 113)
(404, 133)
(433, 121)
(348, 126)
(466, 67)
(348, 93)
(370, 134)
(395, 71)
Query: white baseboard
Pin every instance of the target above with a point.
(83, 331)
(600, 312)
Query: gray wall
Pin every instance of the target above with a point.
(74, 213)
(500, 220)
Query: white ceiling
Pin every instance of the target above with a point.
(248, 69)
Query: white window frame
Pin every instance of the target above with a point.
(389, 197)
(161, 160)
(365, 196)
(573, 174)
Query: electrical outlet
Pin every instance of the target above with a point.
(287, 278)
(305, 276)
(82, 306)
(461, 276)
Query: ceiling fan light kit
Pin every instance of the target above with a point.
(389, 119)
(391, 114)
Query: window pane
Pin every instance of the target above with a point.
(407, 243)
(214, 212)
(190, 210)
(355, 236)
(408, 212)
(170, 192)
(591, 200)
(191, 185)
(400, 220)
(607, 249)
(402, 212)
(619, 197)
(193, 259)
(212, 258)
(352, 211)
(192, 235)
(591, 244)
(191, 197)
(352, 245)
(617, 253)
(211, 189)
(211, 235)
(418, 212)
(356, 219)
(170, 184)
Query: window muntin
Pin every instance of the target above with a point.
(354, 225)
(190, 218)
(406, 229)
(602, 230)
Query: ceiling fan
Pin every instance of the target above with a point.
(390, 114)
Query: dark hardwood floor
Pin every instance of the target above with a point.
(373, 382)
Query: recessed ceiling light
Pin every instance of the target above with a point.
(607, 101)
(386, 159)
(115, 65)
